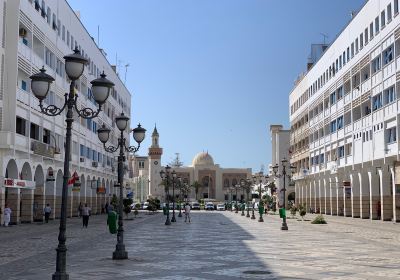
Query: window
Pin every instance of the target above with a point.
(333, 126)
(88, 152)
(389, 95)
(344, 58)
(389, 12)
(34, 131)
(361, 41)
(348, 54)
(396, 6)
(333, 98)
(141, 164)
(376, 64)
(20, 127)
(48, 15)
(340, 93)
(352, 50)
(371, 30)
(340, 122)
(383, 19)
(43, 10)
(321, 158)
(377, 102)
(83, 149)
(376, 25)
(23, 85)
(54, 22)
(340, 152)
(356, 45)
(366, 36)
(46, 136)
(388, 55)
(391, 135)
(67, 38)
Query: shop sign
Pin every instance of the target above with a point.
(17, 183)
(76, 188)
(101, 190)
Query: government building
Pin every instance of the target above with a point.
(35, 34)
(344, 116)
(215, 182)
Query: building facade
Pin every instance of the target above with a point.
(35, 34)
(344, 120)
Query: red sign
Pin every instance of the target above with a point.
(16, 183)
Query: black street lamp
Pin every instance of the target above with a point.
(231, 189)
(247, 185)
(243, 186)
(40, 85)
(138, 134)
(173, 220)
(259, 177)
(284, 175)
(167, 176)
(237, 186)
(180, 196)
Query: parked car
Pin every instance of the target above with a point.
(145, 205)
(195, 206)
(209, 206)
(221, 207)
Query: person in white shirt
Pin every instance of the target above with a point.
(47, 212)
(7, 215)
(85, 215)
(187, 212)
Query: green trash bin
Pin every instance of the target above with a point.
(112, 222)
(282, 212)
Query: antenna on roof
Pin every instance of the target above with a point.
(98, 36)
(324, 36)
(126, 70)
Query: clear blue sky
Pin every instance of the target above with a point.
(213, 74)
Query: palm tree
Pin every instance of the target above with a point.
(196, 185)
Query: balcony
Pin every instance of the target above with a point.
(366, 86)
(348, 129)
(389, 70)
(376, 79)
(24, 50)
(42, 149)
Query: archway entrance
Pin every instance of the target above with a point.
(38, 194)
(26, 201)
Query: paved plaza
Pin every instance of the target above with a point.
(217, 245)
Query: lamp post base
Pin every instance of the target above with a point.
(242, 214)
(60, 276)
(248, 215)
(284, 226)
(120, 253)
(167, 221)
(261, 220)
(180, 214)
(173, 220)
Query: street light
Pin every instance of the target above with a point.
(138, 134)
(243, 186)
(231, 189)
(259, 178)
(40, 85)
(246, 184)
(284, 175)
(180, 196)
(173, 220)
(237, 186)
(167, 176)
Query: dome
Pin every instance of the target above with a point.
(203, 159)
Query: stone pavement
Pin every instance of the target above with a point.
(217, 245)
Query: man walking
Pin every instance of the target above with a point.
(7, 215)
(47, 212)
(187, 212)
(85, 215)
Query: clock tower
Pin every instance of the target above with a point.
(155, 167)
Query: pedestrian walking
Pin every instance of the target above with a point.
(80, 209)
(47, 212)
(187, 212)
(106, 207)
(85, 215)
(7, 215)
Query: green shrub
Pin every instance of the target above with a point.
(302, 211)
(319, 220)
(293, 210)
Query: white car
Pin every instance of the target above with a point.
(221, 207)
(209, 206)
(145, 205)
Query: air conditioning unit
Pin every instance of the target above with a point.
(95, 163)
(23, 32)
(82, 159)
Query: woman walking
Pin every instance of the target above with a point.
(85, 215)
(7, 215)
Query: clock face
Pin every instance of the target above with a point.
(156, 162)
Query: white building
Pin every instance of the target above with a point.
(36, 34)
(344, 120)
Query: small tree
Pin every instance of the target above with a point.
(319, 220)
(115, 202)
(127, 205)
(196, 185)
(302, 211)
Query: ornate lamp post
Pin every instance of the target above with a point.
(284, 175)
(237, 186)
(259, 177)
(243, 186)
(40, 85)
(231, 189)
(180, 196)
(167, 176)
(173, 220)
(247, 185)
(138, 134)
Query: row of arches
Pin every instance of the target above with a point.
(369, 193)
(45, 187)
